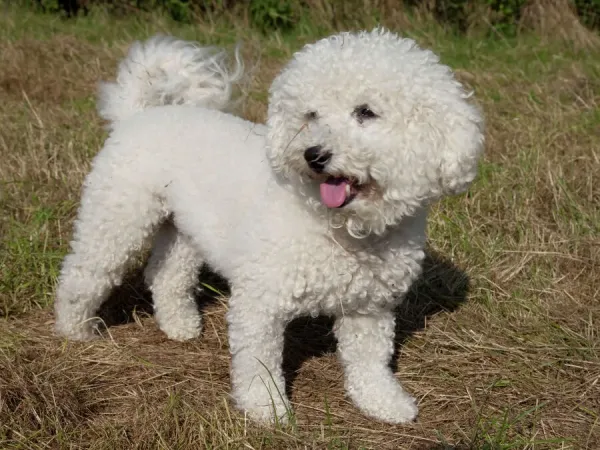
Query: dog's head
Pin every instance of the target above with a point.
(370, 127)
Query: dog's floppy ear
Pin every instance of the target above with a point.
(278, 138)
(275, 135)
(462, 147)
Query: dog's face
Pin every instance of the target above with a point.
(371, 127)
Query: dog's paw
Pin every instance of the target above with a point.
(182, 331)
(384, 400)
(183, 326)
(277, 414)
(76, 331)
(260, 405)
(182, 334)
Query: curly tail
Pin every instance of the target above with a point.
(164, 70)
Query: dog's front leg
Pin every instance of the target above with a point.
(256, 343)
(365, 348)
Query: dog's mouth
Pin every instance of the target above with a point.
(337, 192)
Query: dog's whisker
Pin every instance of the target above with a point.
(302, 128)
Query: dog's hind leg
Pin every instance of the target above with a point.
(114, 221)
(172, 275)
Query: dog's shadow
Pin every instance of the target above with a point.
(132, 299)
(441, 287)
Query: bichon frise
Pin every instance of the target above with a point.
(321, 211)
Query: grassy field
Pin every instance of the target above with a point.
(500, 341)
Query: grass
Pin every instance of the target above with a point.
(499, 341)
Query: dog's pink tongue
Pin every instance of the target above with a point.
(333, 192)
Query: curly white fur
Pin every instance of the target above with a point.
(168, 71)
(241, 197)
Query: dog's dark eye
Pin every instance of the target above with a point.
(311, 115)
(363, 112)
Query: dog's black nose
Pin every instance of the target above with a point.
(316, 158)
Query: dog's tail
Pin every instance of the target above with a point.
(164, 70)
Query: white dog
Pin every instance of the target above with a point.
(322, 211)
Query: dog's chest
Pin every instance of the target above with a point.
(333, 279)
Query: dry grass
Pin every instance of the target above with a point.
(499, 341)
(557, 18)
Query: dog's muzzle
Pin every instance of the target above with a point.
(317, 158)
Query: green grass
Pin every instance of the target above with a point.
(30, 247)
(510, 362)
